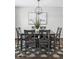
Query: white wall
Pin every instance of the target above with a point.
(55, 17)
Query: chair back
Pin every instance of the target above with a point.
(44, 31)
(44, 34)
(30, 34)
(42, 27)
(58, 33)
(24, 36)
(18, 31)
(29, 31)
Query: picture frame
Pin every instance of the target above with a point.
(31, 18)
(42, 17)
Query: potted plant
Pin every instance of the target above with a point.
(37, 25)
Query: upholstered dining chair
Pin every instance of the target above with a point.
(57, 37)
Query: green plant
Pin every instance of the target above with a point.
(37, 24)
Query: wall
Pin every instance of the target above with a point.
(55, 17)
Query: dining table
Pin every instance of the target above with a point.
(52, 36)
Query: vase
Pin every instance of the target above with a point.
(37, 30)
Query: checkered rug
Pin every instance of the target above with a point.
(32, 52)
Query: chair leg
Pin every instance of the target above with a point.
(59, 43)
(21, 45)
(39, 48)
(49, 48)
(54, 45)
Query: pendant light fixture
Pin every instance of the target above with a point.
(38, 9)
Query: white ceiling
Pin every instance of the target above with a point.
(43, 3)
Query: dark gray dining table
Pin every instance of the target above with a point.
(37, 34)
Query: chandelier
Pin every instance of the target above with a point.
(38, 9)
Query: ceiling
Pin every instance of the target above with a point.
(43, 3)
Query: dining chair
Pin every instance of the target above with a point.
(23, 38)
(18, 32)
(29, 42)
(57, 37)
(44, 40)
(30, 33)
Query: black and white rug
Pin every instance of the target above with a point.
(32, 52)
